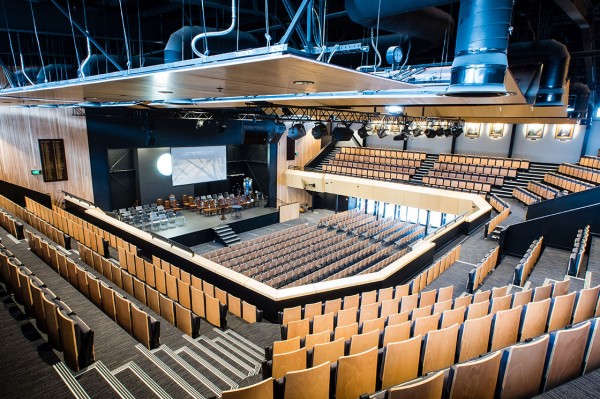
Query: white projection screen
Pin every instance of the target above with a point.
(198, 164)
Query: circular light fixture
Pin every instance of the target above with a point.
(165, 92)
(163, 164)
(304, 82)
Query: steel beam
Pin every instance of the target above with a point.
(290, 10)
(294, 23)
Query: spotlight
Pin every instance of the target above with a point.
(456, 129)
(401, 137)
(363, 132)
(382, 131)
(430, 132)
(297, 131)
(320, 130)
(439, 131)
(342, 133)
(276, 130)
(417, 132)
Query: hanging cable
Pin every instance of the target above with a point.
(125, 36)
(141, 45)
(12, 50)
(204, 27)
(237, 44)
(37, 38)
(21, 58)
(73, 34)
(88, 44)
(267, 32)
(216, 33)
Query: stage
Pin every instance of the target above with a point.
(198, 228)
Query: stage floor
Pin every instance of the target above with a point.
(194, 222)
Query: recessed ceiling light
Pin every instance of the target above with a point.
(165, 92)
(304, 82)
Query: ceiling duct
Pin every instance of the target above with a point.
(426, 28)
(579, 97)
(97, 64)
(55, 72)
(555, 59)
(23, 76)
(480, 61)
(179, 45)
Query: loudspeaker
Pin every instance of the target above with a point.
(291, 149)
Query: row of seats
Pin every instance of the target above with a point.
(399, 166)
(66, 331)
(525, 196)
(77, 228)
(131, 318)
(167, 281)
(366, 298)
(493, 180)
(543, 190)
(375, 227)
(579, 249)
(527, 263)
(590, 161)
(497, 203)
(462, 185)
(510, 163)
(580, 172)
(48, 230)
(367, 173)
(476, 169)
(369, 162)
(433, 349)
(247, 250)
(485, 266)
(567, 183)
(384, 152)
(499, 374)
(12, 225)
(98, 240)
(375, 262)
(495, 221)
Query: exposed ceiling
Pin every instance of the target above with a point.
(148, 24)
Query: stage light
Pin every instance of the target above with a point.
(363, 132)
(320, 130)
(382, 131)
(456, 129)
(297, 131)
(342, 133)
(276, 130)
(394, 109)
(401, 137)
(417, 132)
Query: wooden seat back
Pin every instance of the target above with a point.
(533, 319)
(312, 383)
(522, 368)
(400, 362)
(290, 361)
(475, 379)
(430, 386)
(474, 338)
(439, 349)
(356, 375)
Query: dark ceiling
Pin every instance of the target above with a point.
(147, 24)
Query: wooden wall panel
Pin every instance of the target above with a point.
(307, 148)
(20, 129)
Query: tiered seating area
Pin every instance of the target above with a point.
(472, 173)
(478, 274)
(569, 177)
(66, 332)
(433, 333)
(580, 247)
(527, 263)
(341, 245)
(375, 163)
(173, 293)
(132, 319)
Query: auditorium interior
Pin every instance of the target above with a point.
(300, 199)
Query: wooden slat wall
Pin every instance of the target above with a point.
(307, 148)
(20, 129)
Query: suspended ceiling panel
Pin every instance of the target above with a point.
(272, 74)
(234, 83)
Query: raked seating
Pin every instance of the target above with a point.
(527, 263)
(66, 331)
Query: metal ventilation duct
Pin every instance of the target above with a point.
(97, 64)
(179, 46)
(55, 72)
(480, 61)
(555, 59)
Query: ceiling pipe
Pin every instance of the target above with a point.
(215, 34)
(555, 59)
(480, 61)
